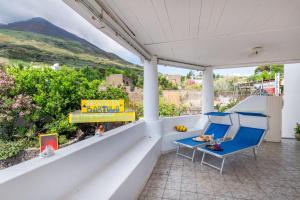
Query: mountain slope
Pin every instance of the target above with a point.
(37, 40)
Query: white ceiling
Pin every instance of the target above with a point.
(218, 33)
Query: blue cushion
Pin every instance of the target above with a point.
(219, 130)
(189, 142)
(255, 114)
(217, 113)
(246, 137)
(228, 147)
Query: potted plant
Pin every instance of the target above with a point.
(297, 131)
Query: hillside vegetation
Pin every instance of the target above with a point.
(33, 47)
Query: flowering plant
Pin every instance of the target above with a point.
(15, 112)
(6, 82)
(23, 105)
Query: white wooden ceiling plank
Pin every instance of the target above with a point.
(163, 50)
(279, 18)
(195, 14)
(228, 30)
(146, 14)
(220, 51)
(164, 22)
(177, 11)
(121, 8)
(261, 16)
(205, 16)
(229, 22)
(216, 15)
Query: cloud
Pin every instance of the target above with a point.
(60, 14)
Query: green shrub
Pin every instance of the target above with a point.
(226, 107)
(59, 92)
(165, 84)
(170, 110)
(297, 129)
(16, 110)
(55, 92)
(62, 139)
(165, 110)
(9, 149)
(61, 126)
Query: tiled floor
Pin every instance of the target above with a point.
(274, 175)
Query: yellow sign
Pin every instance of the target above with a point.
(102, 106)
(78, 117)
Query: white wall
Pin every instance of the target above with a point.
(189, 121)
(53, 177)
(291, 99)
(194, 123)
(269, 105)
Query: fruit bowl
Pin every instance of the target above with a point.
(181, 128)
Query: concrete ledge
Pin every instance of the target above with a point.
(53, 177)
(107, 182)
(194, 123)
(169, 138)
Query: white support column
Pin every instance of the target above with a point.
(207, 90)
(151, 90)
(291, 108)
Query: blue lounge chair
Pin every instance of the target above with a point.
(246, 138)
(218, 130)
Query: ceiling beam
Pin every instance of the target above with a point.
(173, 63)
(96, 13)
(254, 64)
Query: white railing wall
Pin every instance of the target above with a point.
(53, 177)
(269, 105)
(194, 123)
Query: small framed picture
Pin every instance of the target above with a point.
(48, 140)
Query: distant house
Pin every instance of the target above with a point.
(175, 79)
(55, 66)
(116, 80)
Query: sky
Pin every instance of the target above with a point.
(60, 14)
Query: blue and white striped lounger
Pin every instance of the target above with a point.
(219, 131)
(246, 138)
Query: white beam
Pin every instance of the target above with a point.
(101, 17)
(207, 90)
(151, 90)
(173, 63)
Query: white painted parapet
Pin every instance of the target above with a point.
(291, 99)
(194, 123)
(106, 164)
(270, 105)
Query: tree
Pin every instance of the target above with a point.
(59, 92)
(14, 108)
(165, 84)
(190, 74)
(267, 72)
(93, 73)
(260, 69)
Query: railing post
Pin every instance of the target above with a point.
(151, 97)
(207, 91)
(151, 90)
